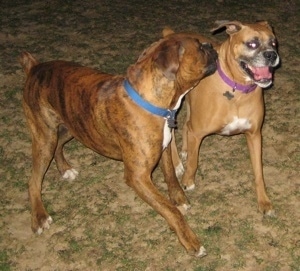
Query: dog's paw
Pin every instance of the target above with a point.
(265, 207)
(179, 170)
(202, 252)
(183, 208)
(46, 225)
(270, 213)
(183, 155)
(189, 188)
(70, 174)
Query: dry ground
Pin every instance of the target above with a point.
(99, 223)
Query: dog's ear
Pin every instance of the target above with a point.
(231, 26)
(27, 61)
(264, 23)
(148, 51)
(168, 57)
(167, 31)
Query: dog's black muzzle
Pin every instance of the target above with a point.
(271, 56)
(212, 58)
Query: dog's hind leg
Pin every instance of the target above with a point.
(63, 166)
(44, 141)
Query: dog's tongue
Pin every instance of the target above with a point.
(261, 73)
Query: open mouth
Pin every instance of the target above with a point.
(261, 75)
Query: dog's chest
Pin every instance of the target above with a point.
(167, 129)
(167, 135)
(237, 125)
(240, 114)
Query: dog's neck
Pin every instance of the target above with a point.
(167, 113)
(233, 84)
(162, 95)
(229, 66)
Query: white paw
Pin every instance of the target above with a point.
(189, 188)
(179, 170)
(70, 174)
(270, 213)
(183, 208)
(202, 252)
(45, 226)
(183, 155)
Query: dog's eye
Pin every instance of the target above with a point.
(273, 43)
(254, 44)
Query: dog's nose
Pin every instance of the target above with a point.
(270, 55)
(209, 50)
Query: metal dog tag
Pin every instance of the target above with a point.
(171, 119)
(228, 95)
(172, 123)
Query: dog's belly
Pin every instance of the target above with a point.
(103, 144)
(236, 126)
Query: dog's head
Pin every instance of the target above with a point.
(199, 63)
(254, 48)
(175, 61)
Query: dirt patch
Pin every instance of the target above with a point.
(99, 223)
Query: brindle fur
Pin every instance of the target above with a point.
(63, 100)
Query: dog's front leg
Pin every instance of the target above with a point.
(178, 166)
(142, 184)
(193, 141)
(255, 149)
(176, 193)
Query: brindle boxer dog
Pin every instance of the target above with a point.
(127, 118)
(231, 100)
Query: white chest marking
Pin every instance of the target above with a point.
(167, 135)
(237, 125)
(167, 130)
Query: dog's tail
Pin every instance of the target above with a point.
(27, 61)
(167, 31)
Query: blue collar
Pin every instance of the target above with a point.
(168, 114)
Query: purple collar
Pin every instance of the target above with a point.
(234, 85)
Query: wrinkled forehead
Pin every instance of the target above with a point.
(151, 50)
(258, 31)
(188, 43)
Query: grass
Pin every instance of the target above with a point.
(99, 224)
(4, 261)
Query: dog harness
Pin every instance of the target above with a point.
(234, 85)
(168, 114)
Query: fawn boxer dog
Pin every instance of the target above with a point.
(126, 118)
(231, 100)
